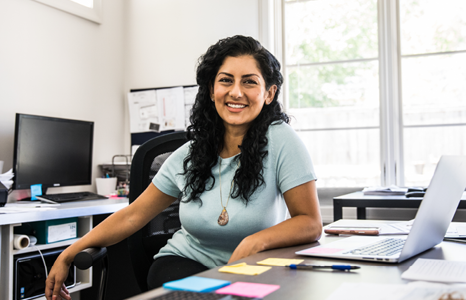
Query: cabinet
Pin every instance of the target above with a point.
(84, 210)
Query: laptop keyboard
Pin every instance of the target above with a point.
(386, 247)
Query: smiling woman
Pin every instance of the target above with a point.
(87, 9)
(243, 168)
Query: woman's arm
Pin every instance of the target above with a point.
(112, 230)
(304, 226)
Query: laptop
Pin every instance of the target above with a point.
(429, 227)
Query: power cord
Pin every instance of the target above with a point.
(43, 260)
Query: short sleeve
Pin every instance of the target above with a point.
(169, 179)
(292, 160)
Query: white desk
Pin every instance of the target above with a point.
(84, 210)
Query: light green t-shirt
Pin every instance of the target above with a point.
(201, 238)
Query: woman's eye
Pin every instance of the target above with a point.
(226, 79)
(250, 81)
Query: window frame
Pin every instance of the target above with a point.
(391, 124)
(93, 14)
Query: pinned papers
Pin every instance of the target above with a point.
(248, 289)
(280, 262)
(244, 269)
(196, 284)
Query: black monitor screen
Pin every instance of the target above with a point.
(52, 151)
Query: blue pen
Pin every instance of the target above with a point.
(334, 267)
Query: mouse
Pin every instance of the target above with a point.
(414, 194)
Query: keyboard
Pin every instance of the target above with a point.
(182, 295)
(79, 196)
(386, 247)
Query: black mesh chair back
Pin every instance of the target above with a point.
(145, 243)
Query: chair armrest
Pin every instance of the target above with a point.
(88, 257)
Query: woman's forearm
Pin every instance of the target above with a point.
(122, 223)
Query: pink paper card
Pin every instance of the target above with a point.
(322, 250)
(248, 289)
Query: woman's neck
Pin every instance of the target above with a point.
(231, 142)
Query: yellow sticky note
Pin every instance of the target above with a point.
(280, 262)
(244, 269)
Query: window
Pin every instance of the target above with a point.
(87, 9)
(375, 87)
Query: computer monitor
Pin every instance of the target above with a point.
(51, 151)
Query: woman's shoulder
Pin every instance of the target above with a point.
(281, 129)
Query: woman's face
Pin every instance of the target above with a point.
(239, 91)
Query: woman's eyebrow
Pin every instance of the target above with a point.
(243, 76)
(249, 75)
(225, 73)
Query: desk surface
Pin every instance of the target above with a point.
(66, 210)
(303, 284)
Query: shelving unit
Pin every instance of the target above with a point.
(84, 210)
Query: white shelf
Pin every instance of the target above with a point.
(84, 210)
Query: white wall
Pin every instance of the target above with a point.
(56, 64)
(166, 37)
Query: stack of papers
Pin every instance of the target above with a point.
(7, 178)
(392, 190)
(437, 270)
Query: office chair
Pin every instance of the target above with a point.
(146, 242)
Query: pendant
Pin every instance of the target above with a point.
(223, 218)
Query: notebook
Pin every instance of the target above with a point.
(428, 229)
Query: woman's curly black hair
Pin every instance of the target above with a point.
(206, 131)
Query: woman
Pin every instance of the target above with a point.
(241, 160)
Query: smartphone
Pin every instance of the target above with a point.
(362, 230)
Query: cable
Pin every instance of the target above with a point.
(43, 260)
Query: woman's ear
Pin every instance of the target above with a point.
(270, 94)
(211, 89)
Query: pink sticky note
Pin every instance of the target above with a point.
(248, 289)
(322, 250)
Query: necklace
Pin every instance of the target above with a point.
(224, 218)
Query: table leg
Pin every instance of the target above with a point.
(361, 213)
(337, 211)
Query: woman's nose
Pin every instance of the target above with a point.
(236, 92)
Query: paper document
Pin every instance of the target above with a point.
(160, 109)
(437, 270)
(189, 98)
(171, 108)
(381, 190)
(456, 230)
(7, 178)
(411, 291)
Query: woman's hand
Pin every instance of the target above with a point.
(304, 226)
(247, 247)
(54, 285)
